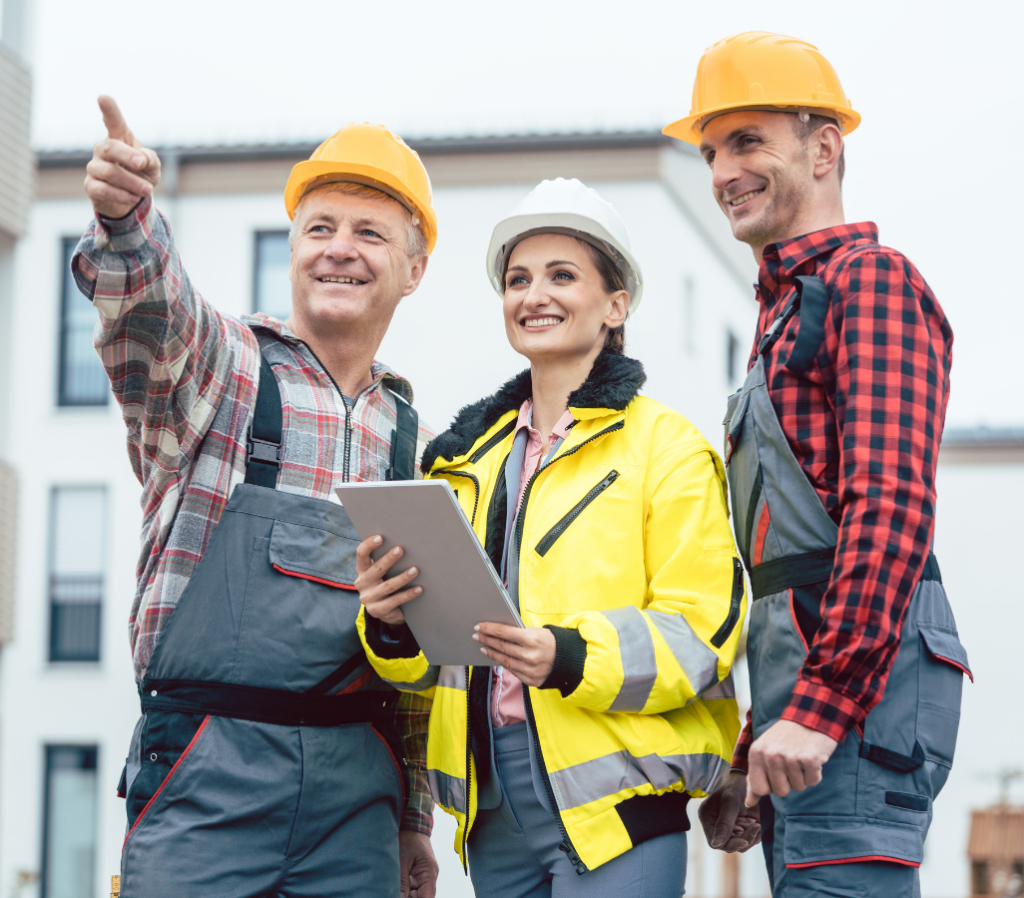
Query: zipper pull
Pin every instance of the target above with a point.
(573, 857)
(609, 480)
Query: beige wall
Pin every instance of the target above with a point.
(16, 161)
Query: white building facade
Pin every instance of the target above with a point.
(67, 693)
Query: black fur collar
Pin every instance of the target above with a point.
(613, 383)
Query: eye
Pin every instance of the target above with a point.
(367, 232)
(709, 157)
(748, 140)
(318, 229)
(515, 281)
(566, 276)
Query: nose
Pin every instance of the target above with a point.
(342, 248)
(536, 297)
(724, 171)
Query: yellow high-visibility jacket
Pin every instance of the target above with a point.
(626, 552)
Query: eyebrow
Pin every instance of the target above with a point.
(743, 129)
(553, 264)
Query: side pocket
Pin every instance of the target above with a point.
(166, 741)
(387, 732)
(941, 678)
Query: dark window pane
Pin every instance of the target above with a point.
(979, 877)
(82, 380)
(732, 350)
(273, 289)
(69, 845)
(76, 572)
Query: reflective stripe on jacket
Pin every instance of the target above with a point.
(625, 539)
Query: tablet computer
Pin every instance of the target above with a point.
(460, 586)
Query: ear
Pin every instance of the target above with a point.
(417, 269)
(618, 310)
(825, 150)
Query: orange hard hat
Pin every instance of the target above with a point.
(371, 155)
(760, 70)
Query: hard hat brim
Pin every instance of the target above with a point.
(313, 173)
(689, 129)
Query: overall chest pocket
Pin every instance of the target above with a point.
(300, 608)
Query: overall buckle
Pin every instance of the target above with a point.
(262, 450)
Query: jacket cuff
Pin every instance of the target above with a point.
(819, 707)
(390, 642)
(118, 226)
(570, 659)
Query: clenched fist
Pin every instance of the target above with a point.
(122, 171)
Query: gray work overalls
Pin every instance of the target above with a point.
(266, 760)
(875, 799)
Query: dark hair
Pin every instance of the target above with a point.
(613, 281)
(814, 123)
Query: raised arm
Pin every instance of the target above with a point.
(170, 356)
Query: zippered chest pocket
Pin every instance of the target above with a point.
(549, 538)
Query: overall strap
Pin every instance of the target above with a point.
(403, 442)
(810, 299)
(263, 445)
(813, 304)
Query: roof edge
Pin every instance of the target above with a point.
(426, 146)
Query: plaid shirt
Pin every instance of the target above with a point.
(185, 376)
(864, 423)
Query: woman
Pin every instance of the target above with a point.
(576, 750)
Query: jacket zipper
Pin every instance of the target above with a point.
(566, 844)
(476, 486)
(549, 538)
(348, 413)
(469, 779)
(725, 631)
(492, 442)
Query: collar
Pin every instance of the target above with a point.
(379, 372)
(612, 384)
(561, 429)
(791, 254)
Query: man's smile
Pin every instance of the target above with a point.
(738, 201)
(327, 279)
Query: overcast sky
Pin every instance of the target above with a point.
(938, 85)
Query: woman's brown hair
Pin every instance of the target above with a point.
(611, 277)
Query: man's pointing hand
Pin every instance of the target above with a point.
(122, 171)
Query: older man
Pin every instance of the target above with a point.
(269, 759)
(855, 665)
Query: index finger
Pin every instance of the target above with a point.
(363, 557)
(117, 127)
(501, 631)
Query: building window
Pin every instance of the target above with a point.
(77, 526)
(979, 878)
(69, 822)
(273, 290)
(81, 379)
(690, 314)
(732, 357)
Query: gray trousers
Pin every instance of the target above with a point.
(261, 811)
(513, 849)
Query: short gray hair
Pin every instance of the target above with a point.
(416, 239)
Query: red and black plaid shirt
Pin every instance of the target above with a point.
(865, 423)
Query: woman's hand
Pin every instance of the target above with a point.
(528, 653)
(383, 598)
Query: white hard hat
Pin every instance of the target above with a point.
(566, 207)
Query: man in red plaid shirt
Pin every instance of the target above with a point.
(831, 445)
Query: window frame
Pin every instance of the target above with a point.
(51, 575)
(63, 399)
(50, 748)
(257, 235)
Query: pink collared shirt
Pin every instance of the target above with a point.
(507, 705)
